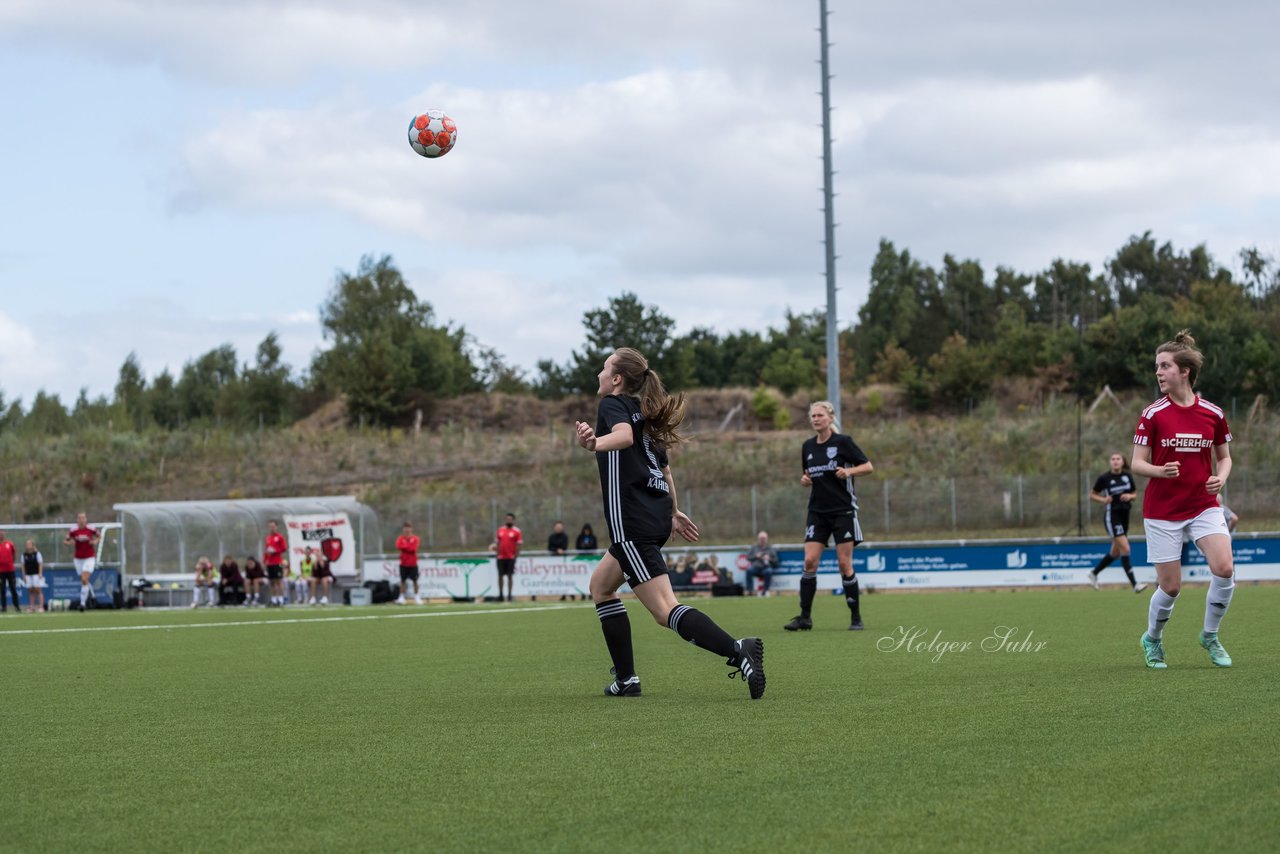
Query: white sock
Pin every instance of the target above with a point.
(1216, 604)
(84, 595)
(212, 599)
(1158, 613)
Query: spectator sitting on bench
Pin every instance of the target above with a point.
(204, 581)
(230, 582)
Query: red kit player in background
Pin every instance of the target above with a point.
(507, 541)
(273, 552)
(85, 540)
(407, 544)
(1177, 443)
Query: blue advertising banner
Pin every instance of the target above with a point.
(995, 563)
(65, 584)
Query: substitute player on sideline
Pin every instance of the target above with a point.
(407, 544)
(1177, 441)
(636, 419)
(506, 544)
(275, 547)
(1116, 490)
(829, 461)
(85, 540)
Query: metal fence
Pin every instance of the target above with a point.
(1040, 505)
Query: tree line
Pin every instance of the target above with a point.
(943, 334)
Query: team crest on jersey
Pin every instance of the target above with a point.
(831, 453)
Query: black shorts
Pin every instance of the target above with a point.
(843, 526)
(1116, 520)
(408, 573)
(641, 560)
(275, 573)
(506, 566)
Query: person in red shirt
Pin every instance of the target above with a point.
(506, 545)
(407, 543)
(276, 547)
(8, 573)
(1177, 443)
(85, 540)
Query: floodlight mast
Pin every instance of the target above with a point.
(828, 210)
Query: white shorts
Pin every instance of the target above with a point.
(36, 582)
(85, 564)
(1164, 539)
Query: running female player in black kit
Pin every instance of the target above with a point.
(829, 462)
(1116, 490)
(636, 421)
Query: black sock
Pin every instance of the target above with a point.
(1103, 564)
(1128, 570)
(850, 585)
(617, 636)
(700, 630)
(808, 587)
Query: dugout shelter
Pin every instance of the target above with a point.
(166, 537)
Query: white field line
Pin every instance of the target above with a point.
(292, 620)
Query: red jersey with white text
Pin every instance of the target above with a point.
(276, 546)
(408, 546)
(83, 539)
(1186, 435)
(508, 539)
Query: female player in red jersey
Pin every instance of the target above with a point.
(1178, 440)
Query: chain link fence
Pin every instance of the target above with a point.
(1035, 505)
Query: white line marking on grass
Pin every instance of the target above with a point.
(292, 620)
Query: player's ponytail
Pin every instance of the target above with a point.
(663, 413)
(1185, 354)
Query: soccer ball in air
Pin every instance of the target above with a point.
(432, 134)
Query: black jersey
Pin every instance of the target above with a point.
(637, 501)
(1115, 485)
(830, 494)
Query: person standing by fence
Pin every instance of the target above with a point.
(33, 569)
(507, 541)
(829, 461)
(762, 560)
(1176, 444)
(407, 544)
(8, 573)
(273, 553)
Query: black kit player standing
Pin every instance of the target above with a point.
(635, 421)
(1116, 490)
(829, 462)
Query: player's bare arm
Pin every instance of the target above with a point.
(1141, 464)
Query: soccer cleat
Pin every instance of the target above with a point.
(800, 624)
(312, 601)
(629, 687)
(417, 600)
(1218, 655)
(856, 625)
(400, 601)
(1154, 652)
(324, 600)
(1093, 580)
(749, 664)
(1138, 588)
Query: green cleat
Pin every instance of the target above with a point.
(1217, 654)
(1154, 652)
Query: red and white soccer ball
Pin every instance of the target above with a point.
(432, 134)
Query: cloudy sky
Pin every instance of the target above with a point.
(181, 174)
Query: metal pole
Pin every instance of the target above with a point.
(755, 522)
(828, 210)
(431, 523)
(886, 505)
(955, 521)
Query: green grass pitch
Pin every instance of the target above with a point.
(471, 730)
